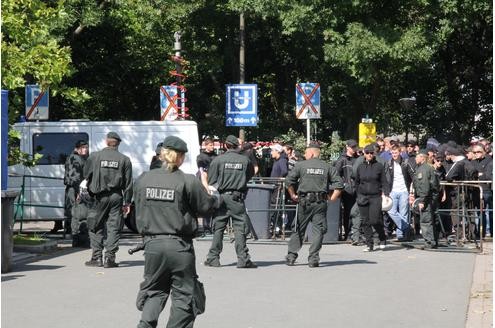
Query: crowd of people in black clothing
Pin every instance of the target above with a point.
(452, 163)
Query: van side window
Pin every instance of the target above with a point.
(55, 147)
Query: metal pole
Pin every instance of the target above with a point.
(308, 131)
(242, 48)
(242, 133)
(178, 68)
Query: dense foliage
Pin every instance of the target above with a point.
(105, 60)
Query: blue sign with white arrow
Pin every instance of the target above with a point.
(242, 105)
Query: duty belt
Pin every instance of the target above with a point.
(108, 192)
(166, 236)
(313, 196)
(236, 195)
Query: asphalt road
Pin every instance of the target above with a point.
(396, 287)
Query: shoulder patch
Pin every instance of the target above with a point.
(155, 193)
(109, 164)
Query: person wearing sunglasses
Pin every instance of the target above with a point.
(371, 184)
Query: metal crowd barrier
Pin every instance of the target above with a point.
(466, 214)
(21, 202)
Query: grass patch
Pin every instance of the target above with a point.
(21, 239)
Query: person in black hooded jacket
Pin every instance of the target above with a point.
(343, 165)
(371, 184)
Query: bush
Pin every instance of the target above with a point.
(330, 150)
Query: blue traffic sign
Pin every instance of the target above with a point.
(242, 105)
(36, 102)
(307, 100)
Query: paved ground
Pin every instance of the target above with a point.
(397, 287)
(480, 311)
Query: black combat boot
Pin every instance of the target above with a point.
(248, 265)
(110, 263)
(94, 262)
(76, 242)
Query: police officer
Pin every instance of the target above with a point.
(314, 177)
(74, 172)
(426, 189)
(168, 202)
(229, 174)
(108, 174)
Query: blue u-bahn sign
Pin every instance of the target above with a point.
(242, 105)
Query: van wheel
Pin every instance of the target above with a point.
(130, 220)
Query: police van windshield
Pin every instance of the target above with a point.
(56, 147)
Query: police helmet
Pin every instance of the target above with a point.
(415, 207)
(386, 203)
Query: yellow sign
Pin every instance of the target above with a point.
(367, 134)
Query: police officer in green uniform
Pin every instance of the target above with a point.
(313, 177)
(229, 174)
(168, 203)
(426, 189)
(74, 171)
(108, 175)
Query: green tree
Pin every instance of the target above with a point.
(33, 50)
(365, 55)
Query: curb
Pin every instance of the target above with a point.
(47, 246)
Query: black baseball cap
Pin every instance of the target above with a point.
(369, 149)
(81, 143)
(351, 143)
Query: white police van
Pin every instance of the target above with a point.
(56, 140)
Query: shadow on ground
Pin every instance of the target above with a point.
(11, 277)
(322, 264)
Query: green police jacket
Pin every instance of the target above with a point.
(108, 170)
(425, 182)
(230, 171)
(74, 170)
(169, 203)
(314, 175)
